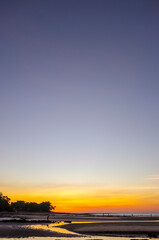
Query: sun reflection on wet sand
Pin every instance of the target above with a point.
(53, 227)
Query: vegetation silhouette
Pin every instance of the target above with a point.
(6, 205)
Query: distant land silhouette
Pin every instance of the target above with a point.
(7, 205)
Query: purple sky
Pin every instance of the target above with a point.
(79, 91)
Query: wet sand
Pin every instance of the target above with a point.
(16, 230)
(114, 228)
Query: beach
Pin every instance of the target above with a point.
(71, 225)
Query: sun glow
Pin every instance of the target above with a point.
(91, 198)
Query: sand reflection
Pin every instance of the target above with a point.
(54, 227)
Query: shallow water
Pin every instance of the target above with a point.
(150, 214)
(55, 227)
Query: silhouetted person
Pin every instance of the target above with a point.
(48, 217)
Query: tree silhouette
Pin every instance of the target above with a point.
(5, 205)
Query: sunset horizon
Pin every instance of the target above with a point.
(96, 198)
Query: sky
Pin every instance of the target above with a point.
(79, 94)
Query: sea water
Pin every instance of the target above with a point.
(149, 214)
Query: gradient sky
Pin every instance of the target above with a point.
(79, 103)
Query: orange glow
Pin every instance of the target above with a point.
(90, 198)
